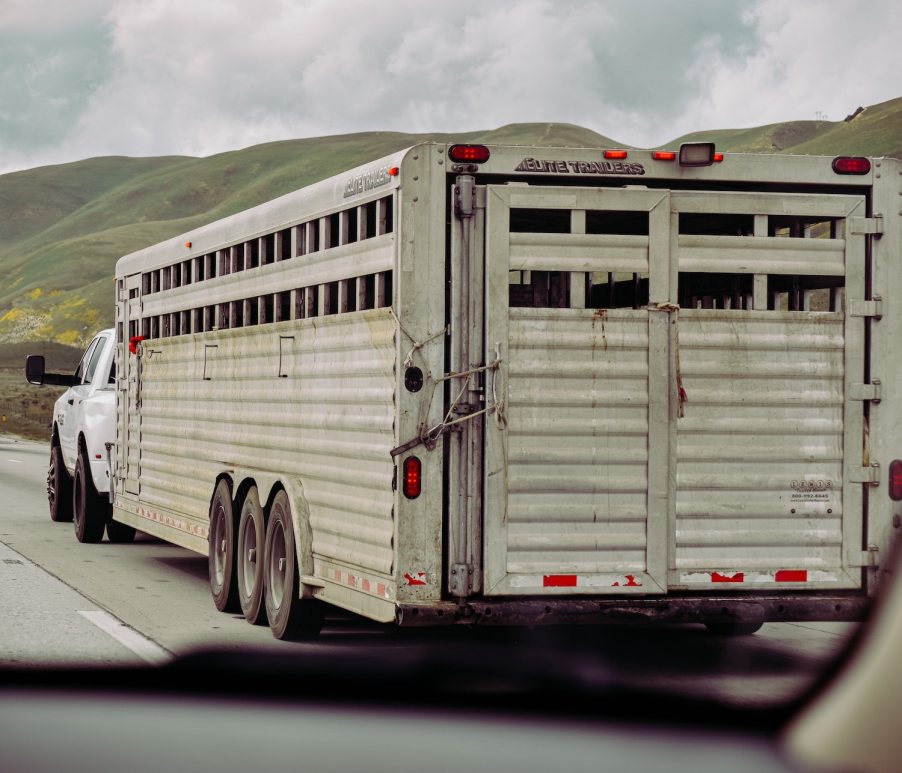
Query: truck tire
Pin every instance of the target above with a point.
(119, 532)
(290, 616)
(221, 556)
(251, 539)
(90, 511)
(59, 486)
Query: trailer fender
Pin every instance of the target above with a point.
(303, 533)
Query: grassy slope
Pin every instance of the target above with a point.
(875, 132)
(84, 216)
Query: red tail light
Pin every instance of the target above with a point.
(664, 155)
(895, 480)
(615, 154)
(718, 157)
(472, 154)
(412, 472)
(851, 165)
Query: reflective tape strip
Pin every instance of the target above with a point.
(559, 581)
(575, 581)
(778, 576)
(355, 580)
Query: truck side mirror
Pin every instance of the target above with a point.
(34, 369)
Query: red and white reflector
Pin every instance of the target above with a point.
(615, 155)
(469, 154)
(412, 477)
(559, 581)
(895, 480)
(791, 575)
(851, 165)
(664, 155)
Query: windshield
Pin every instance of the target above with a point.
(514, 348)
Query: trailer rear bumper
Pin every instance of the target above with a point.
(638, 611)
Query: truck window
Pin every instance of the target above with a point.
(94, 359)
(85, 360)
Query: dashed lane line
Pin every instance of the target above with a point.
(128, 637)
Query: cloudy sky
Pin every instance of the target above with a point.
(81, 78)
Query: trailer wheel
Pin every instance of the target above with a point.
(290, 616)
(221, 556)
(251, 539)
(59, 486)
(90, 511)
(119, 532)
(720, 628)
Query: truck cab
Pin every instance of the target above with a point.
(84, 423)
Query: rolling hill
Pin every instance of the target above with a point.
(63, 227)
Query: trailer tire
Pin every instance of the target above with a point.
(59, 486)
(251, 541)
(290, 616)
(119, 532)
(221, 554)
(90, 511)
(721, 628)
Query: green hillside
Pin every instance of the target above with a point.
(63, 227)
(876, 131)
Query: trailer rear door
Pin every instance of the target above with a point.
(681, 391)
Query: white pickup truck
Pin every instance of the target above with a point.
(83, 431)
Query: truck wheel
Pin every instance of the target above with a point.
(119, 532)
(90, 511)
(290, 616)
(59, 487)
(251, 538)
(221, 557)
(732, 629)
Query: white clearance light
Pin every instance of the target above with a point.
(697, 154)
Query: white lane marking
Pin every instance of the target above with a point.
(128, 637)
(15, 461)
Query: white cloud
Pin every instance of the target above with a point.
(176, 77)
(814, 57)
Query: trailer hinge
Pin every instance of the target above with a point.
(864, 392)
(460, 580)
(872, 308)
(866, 225)
(869, 557)
(869, 475)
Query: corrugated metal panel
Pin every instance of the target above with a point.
(347, 261)
(578, 252)
(760, 449)
(333, 430)
(762, 255)
(577, 419)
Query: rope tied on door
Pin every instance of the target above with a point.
(428, 436)
(674, 309)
